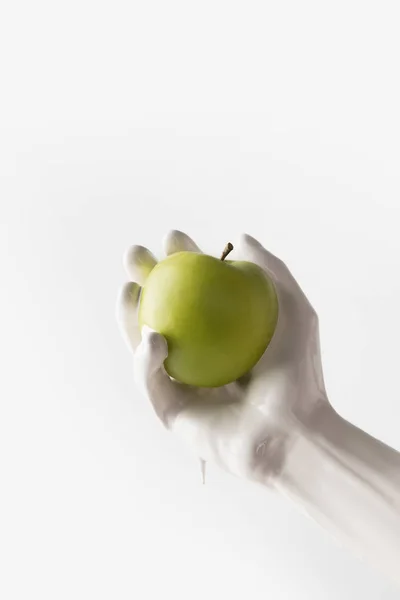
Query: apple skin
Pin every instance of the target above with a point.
(217, 316)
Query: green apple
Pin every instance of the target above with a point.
(218, 316)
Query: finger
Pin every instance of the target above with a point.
(250, 249)
(138, 262)
(127, 317)
(168, 397)
(177, 241)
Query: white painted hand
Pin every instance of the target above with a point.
(247, 426)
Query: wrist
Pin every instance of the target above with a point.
(289, 435)
(325, 447)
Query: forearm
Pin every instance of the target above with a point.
(350, 483)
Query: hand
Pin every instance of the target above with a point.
(248, 426)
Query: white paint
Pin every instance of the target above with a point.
(277, 428)
(203, 469)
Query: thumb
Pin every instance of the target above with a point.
(168, 397)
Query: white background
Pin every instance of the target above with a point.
(119, 121)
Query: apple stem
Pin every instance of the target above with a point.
(228, 250)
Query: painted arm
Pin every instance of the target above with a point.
(349, 482)
(276, 428)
